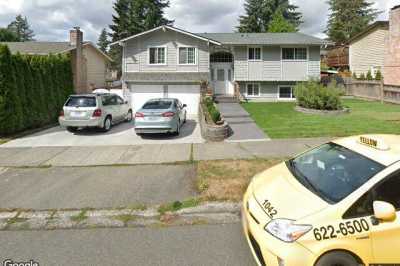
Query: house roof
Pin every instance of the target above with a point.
(264, 38)
(45, 48)
(178, 77)
(373, 26)
(166, 27)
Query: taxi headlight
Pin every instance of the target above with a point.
(286, 230)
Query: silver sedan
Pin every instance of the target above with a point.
(160, 116)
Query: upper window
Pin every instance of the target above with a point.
(187, 55)
(221, 57)
(157, 55)
(383, 192)
(254, 53)
(332, 171)
(294, 53)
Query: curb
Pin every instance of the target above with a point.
(206, 213)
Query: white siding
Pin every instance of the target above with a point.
(272, 68)
(136, 53)
(368, 51)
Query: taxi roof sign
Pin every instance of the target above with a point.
(375, 143)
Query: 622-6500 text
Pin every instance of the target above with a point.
(344, 229)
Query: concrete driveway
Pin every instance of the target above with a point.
(121, 134)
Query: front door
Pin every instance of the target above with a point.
(222, 76)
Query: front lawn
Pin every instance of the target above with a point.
(280, 120)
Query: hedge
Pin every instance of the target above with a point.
(33, 89)
(212, 110)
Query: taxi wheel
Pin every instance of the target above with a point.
(337, 258)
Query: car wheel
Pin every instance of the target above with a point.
(72, 129)
(178, 128)
(129, 116)
(337, 258)
(107, 124)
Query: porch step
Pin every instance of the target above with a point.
(225, 99)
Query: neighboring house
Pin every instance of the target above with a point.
(392, 58)
(367, 49)
(90, 66)
(170, 62)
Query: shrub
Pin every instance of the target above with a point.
(313, 95)
(369, 75)
(354, 75)
(378, 75)
(362, 76)
(212, 110)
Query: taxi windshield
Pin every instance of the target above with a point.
(333, 172)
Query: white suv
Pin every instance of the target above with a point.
(94, 110)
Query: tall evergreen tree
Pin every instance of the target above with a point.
(134, 16)
(8, 36)
(348, 18)
(280, 24)
(260, 13)
(21, 28)
(103, 42)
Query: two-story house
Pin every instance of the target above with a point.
(170, 62)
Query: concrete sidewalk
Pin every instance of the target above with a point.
(151, 154)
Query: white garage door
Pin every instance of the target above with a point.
(187, 94)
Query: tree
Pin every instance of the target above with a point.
(348, 18)
(133, 17)
(280, 24)
(103, 42)
(378, 75)
(260, 13)
(8, 36)
(21, 28)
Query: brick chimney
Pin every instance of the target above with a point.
(391, 73)
(76, 40)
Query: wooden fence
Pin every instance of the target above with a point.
(373, 90)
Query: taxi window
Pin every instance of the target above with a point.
(387, 191)
(333, 172)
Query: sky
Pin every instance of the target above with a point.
(51, 20)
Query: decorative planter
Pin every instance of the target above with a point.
(322, 112)
(213, 132)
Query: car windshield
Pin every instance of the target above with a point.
(333, 172)
(80, 101)
(157, 105)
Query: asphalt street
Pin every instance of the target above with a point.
(95, 187)
(186, 245)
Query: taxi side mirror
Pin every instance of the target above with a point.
(384, 211)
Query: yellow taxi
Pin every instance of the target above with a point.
(334, 205)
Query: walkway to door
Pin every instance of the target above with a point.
(243, 126)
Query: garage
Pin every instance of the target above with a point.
(188, 94)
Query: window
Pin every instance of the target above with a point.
(253, 90)
(254, 53)
(384, 192)
(120, 100)
(286, 92)
(230, 74)
(294, 53)
(212, 74)
(221, 74)
(221, 57)
(332, 171)
(81, 101)
(157, 104)
(187, 55)
(157, 55)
